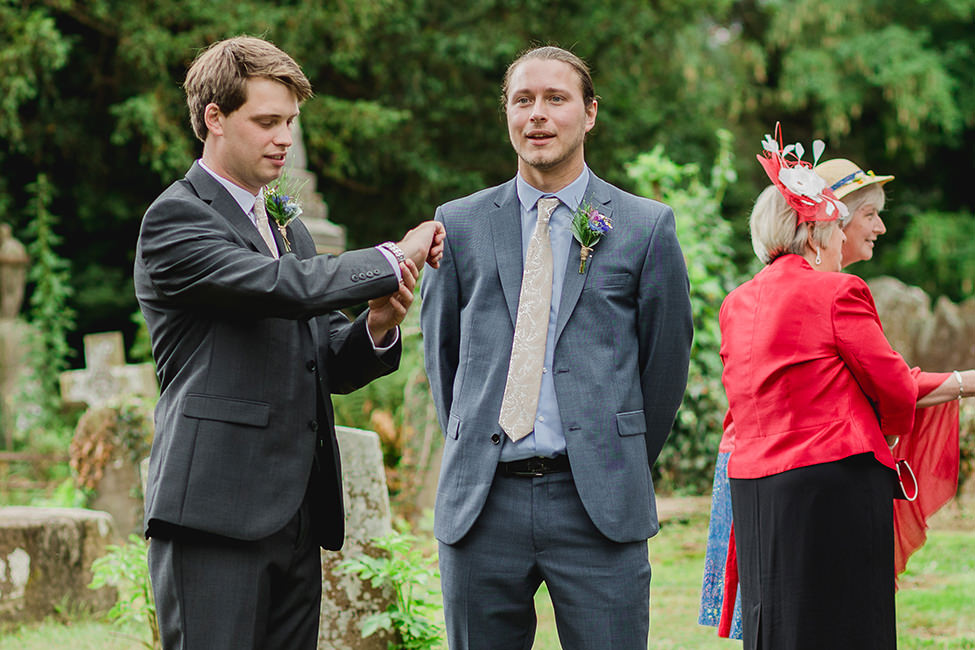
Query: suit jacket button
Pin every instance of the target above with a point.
(496, 439)
(313, 425)
(311, 366)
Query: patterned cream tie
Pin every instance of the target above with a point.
(263, 227)
(520, 400)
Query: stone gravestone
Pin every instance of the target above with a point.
(329, 237)
(45, 560)
(106, 376)
(105, 380)
(934, 340)
(13, 330)
(346, 599)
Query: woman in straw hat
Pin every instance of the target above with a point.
(931, 449)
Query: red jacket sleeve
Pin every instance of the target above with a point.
(882, 373)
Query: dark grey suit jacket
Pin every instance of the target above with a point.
(248, 349)
(623, 341)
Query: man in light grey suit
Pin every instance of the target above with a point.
(244, 477)
(552, 418)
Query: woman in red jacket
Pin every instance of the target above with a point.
(813, 387)
(932, 447)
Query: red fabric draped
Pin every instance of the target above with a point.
(730, 587)
(932, 451)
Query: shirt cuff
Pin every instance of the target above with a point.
(385, 348)
(392, 262)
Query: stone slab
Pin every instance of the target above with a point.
(45, 560)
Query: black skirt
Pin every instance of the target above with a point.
(816, 557)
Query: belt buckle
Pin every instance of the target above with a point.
(536, 468)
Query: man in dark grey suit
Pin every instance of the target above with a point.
(557, 373)
(244, 478)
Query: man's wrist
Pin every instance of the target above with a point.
(395, 250)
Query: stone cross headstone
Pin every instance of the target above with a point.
(105, 380)
(106, 376)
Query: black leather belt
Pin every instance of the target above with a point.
(531, 467)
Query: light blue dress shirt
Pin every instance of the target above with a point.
(548, 438)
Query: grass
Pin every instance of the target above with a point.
(934, 605)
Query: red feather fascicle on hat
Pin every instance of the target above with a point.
(804, 190)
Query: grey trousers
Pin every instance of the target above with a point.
(215, 593)
(533, 530)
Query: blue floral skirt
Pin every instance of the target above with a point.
(719, 531)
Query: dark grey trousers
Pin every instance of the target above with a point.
(215, 593)
(533, 530)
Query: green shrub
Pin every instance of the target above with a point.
(408, 573)
(686, 462)
(126, 569)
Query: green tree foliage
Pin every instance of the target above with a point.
(50, 315)
(687, 460)
(407, 116)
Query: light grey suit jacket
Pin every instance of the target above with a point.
(623, 341)
(248, 349)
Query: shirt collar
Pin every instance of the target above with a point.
(243, 197)
(571, 195)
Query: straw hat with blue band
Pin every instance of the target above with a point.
(843, 176)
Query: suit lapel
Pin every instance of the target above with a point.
(209, 190)
(598, 194)
(506, 227)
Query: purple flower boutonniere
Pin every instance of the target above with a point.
(281, 203)
(588, 227)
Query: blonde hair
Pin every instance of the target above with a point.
(870, 195)
(219, 76)
(775, 231)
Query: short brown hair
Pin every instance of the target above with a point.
(219, 74)
(552, 53)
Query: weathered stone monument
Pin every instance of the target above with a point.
(102, 385)
(936, 340)
(45, 560)
(13, 330)
(346, 599)
(329, 237)
(106, 377)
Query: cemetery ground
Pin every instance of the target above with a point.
(934, 605)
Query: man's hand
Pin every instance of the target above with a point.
(386, 313)
(424, 244)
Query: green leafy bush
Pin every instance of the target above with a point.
(126, 569)
(408, 573)
(686, 462)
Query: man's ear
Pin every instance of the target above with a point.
(591, 115)
(213, 118)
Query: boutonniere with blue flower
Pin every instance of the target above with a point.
(281, 203)
(588, 227)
